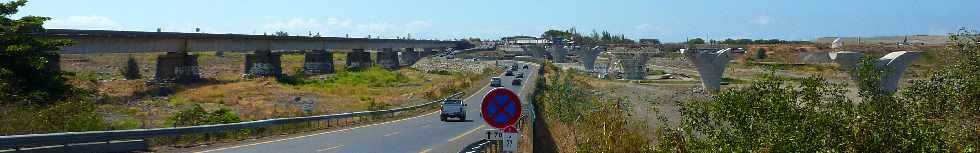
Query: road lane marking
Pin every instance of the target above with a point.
(392, 133)
(325, 149)
(467, 133)
(315, 134)
(426, 150)
(426, 125)
(348, 129)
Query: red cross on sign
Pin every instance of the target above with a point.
(501, 108)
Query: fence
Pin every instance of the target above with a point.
(18, 142)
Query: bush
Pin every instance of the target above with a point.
(371, 77)
(132, 69)
(811, 115)
(597, 125)
(760, 54)
(196, 115)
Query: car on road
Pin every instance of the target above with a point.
(520, 75)
(509, 73)
(516, 82)
(496, 82)
(453, 108)
(525, 66)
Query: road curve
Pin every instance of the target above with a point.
(425, 133)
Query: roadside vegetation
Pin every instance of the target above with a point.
(578, 121)
(773, 114)
(110, 91)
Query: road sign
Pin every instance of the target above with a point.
(495, 134)
(511, 137)
(501, 108)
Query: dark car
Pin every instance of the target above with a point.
(509, 73)
(520, 75)
(517, 82)
(525, 66)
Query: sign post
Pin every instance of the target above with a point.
(501, 109)
(511, 137)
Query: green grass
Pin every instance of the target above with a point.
(371, 77)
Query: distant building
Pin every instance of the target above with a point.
(490, 43)
(524, 40)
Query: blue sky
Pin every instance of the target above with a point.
(444, 19)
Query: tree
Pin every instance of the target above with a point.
(132, 69)
(760, 54)
(28, 63)
(696, 41)
(281, 34)
(557, 33)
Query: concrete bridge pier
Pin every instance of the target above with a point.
(710, 65)
(588, 57)
(388, 58)
(634, 66)
(263, 63)
(408, 56)
(892, 65)
(537, 51)
(358, 59)
(177, 67)
(558, 54)
(426, 52)
(318, 62)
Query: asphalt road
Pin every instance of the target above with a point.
(425, 133)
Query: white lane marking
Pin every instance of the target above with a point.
(426, 125)
(426, 150)
(315, 134)
(392, 133)
(348, 129)
(467, 133)
(325, 149)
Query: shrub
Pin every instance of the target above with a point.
(811, 115)
(132, 70)
(196, 115)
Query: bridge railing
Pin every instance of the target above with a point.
(52, 139)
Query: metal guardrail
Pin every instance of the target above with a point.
(30, 140)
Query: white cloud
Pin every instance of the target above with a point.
(334, 22)
(294, 24)
(83, 22)
(761, 20)
(651, 30)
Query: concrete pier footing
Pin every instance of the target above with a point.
(427, 52)
(263, 63)
(710, 65)
(388, 58)
(177, 67)
(358, 59)
(408, 56)
(634, 66)
(318, 62)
